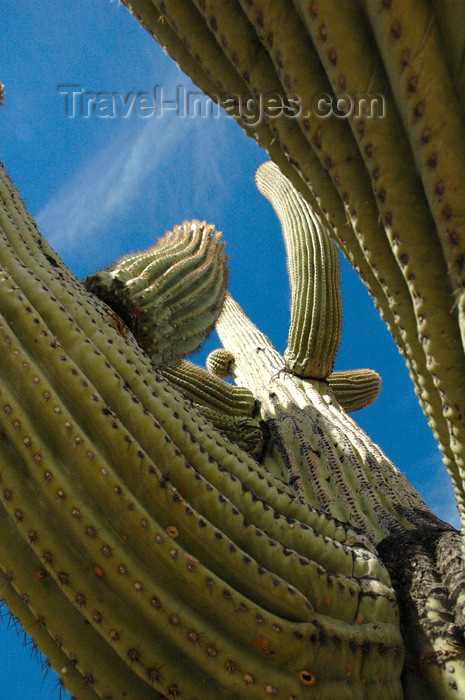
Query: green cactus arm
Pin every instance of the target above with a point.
(99, 428)
(200, 386)
(355, 389)
(313, 263)
(112, 526)
(170, 295)
(219, 363)
(76, 651)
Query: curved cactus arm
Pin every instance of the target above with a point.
(313, 264)
(73, 648)
(171, 294)
(355, 389)
(204, 388)
(219, 363)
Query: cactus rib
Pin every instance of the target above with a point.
(171, 295)
(355, 389)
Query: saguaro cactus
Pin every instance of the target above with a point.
(155, 555)
(164, 534)
(388, 176)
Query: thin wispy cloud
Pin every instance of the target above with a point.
(106, 183)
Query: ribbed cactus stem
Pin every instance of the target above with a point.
(200, 386)
(219, 363)
(450, 16)
(313, 264)
(171, 294)
(431, 113)
(355, 389)
(325, 454)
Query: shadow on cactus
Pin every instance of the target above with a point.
(166, 534)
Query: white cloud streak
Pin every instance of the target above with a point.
(106, 183)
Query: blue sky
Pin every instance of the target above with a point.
(101, 187)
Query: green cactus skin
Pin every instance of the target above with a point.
(402, 204)
(431, 114)
(410, 265)
(450, 16)
(219, 363)
(171, 294)
(316, 308)
(142, 522)
(355, 389)
(206, 389)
